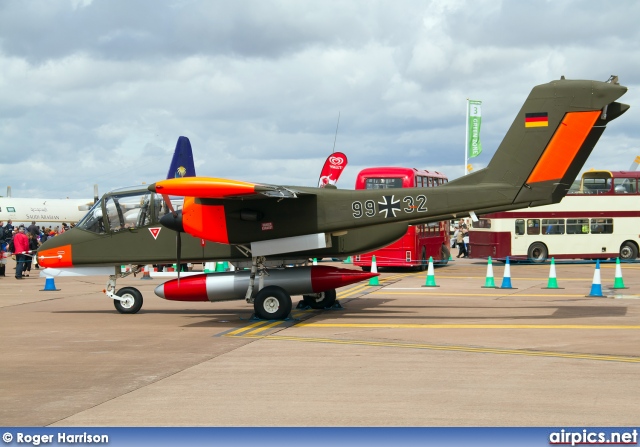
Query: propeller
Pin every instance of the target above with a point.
(173, 221)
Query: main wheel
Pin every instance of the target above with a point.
(628, 251)
(132, 300)
(537, 252)
(272, 303)
(322, 300)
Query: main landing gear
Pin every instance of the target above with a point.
(274, 302)
(271, 302)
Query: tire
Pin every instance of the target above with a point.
(324, 300)
(423, 260)
(444, 253)
(628, 251)
(272, 303)
(537, 252)
(365, 269)
(133, 303)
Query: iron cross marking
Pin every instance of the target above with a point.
(389, 206)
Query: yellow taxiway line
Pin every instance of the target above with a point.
(467, 326)
(566, 355)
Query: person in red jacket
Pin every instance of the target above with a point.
(21, 244)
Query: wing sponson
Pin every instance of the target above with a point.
(203, 187)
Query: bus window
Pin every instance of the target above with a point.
(533, 226)
(553, 226)
(519, 227)
(482, 223)
(383, 183)
(602, 226)
(596, 185)
(577, 226)
(624, 185)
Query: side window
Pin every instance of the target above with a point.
(533, 226)
(482, 223)
(519, 227)
(553, 226)
(577, 226)
(602, 226)
(624, 185)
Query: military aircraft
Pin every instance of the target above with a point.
(262, 225)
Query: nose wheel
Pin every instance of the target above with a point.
(130, 301)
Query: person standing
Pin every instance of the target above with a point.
(21, 244)
(28, 260)
(32, 229)
(462, 232)
(8, 233)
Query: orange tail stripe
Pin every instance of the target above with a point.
(204, 187)
(564, 146)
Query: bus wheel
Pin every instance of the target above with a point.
(423, 261)
(537, 252)
(628, 251)
(444, 253)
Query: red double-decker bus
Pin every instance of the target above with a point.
(421, 241)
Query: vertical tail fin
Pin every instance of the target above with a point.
(550, 140)
(182, 162)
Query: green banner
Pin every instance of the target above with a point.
(475, 119)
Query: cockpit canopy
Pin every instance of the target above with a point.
(126, 208)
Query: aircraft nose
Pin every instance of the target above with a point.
(56, 256)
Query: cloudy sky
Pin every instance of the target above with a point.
(97, 92)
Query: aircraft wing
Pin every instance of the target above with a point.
(220, 188)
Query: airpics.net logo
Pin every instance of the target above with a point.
(588, 437)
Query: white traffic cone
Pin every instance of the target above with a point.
(374, 269)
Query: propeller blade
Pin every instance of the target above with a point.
(178, 254)
(167, 200)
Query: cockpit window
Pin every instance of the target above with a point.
(121, 210)
(128, 211)
(92, 221)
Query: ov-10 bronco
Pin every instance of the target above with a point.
(261, 225)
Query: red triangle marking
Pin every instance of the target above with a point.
(155, 232)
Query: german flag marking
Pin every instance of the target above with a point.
(539, 119)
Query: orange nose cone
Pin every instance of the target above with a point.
(55, 257)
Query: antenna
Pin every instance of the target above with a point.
(336, 137)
